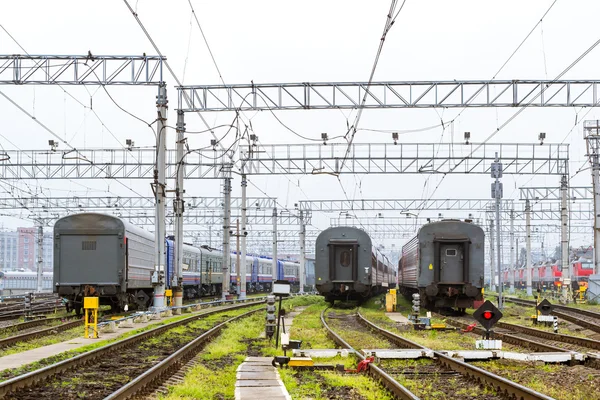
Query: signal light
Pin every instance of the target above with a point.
(488, 315)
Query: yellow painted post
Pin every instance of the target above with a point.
(394, 298)
(169, 296)
(91, 304)
(389, 305)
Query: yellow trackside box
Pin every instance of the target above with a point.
(301, 362)
(169, 293)
(92, 303)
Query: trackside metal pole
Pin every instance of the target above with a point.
(40, 257)
(226, 234)
(513, 269)
(528, 245)
(301, 274)
(274, 275)
(158, 278)
(242, 283)
(592, 137)
(564, 239)
(492, 267)
(178, 205)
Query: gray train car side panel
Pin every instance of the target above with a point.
(451, 265)
(84, 250)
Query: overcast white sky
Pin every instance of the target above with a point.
(308, 41)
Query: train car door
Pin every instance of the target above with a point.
(343, 261)
(451, 262)
(254, 273)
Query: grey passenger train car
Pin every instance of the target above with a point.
(444, 263)
(102, 255)
(347, 266)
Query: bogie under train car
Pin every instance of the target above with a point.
(444, 263)
(348, 267)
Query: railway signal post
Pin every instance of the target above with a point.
(488, 315)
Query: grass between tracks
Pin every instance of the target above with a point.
(433, 339)
(11, 373)
(215, 377)
(41, 342)
(555, 380)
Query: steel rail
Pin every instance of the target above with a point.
(39, 333)
(499, 383)
(31, 378)
(567, 317)
(170, 364)
(31, 324)
(559, 337)
(16, 314)
(508, 338)
(377, 373)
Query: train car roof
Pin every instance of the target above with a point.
(81, 221)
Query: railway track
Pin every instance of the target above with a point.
(35, 334)
(135, 360)
(14, 311)
(442, 366)
(584, 318)
(533, 339)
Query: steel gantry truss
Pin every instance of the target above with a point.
(553, 193)
(108, 164)
(101, 70)
(80, 70)
(405, 158)
(398, 205)
(129, 203)
(540, 210)
(417, 94)
(191, 218)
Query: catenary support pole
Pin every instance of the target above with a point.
(564, 239)
(275, 263)
(226, 236)
(492, 267)
(592, 138)
(513, 268)
(496, 173)
(237, 258)
(301, 273)
(159, 191)
(40, 256)
(178, 205)
(528, 246)
(243, 271)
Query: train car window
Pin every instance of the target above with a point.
(345, 258)
(587, 265)
(451, 252)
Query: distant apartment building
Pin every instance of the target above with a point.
(19, 250)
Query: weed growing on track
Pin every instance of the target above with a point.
(215, 377)
(555, 380)
(41, 342)
(307, 326)
(324, 385)
(10, 373)
(436, 340)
